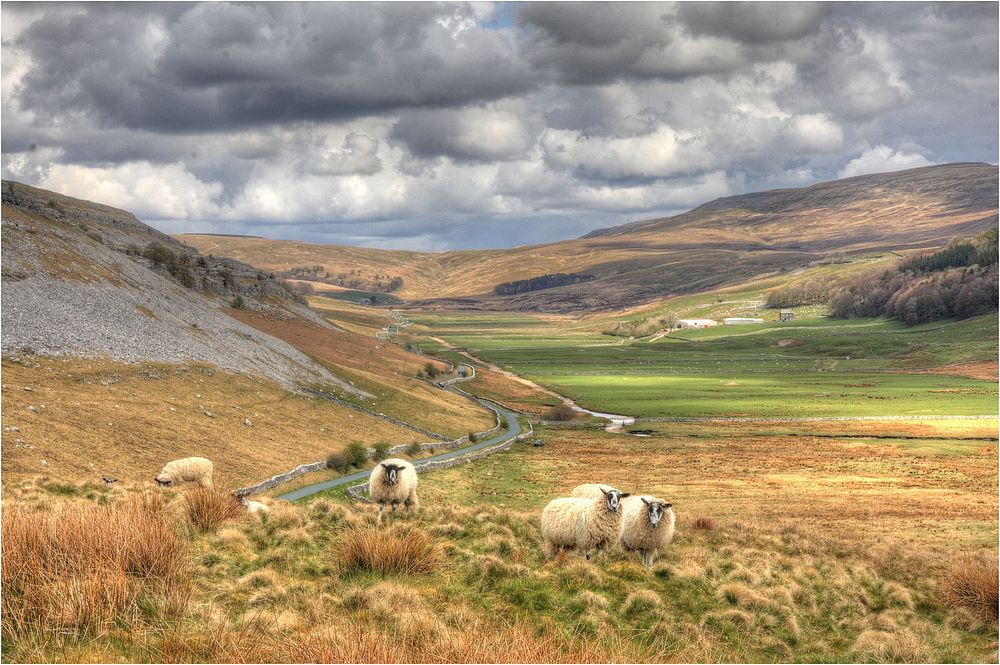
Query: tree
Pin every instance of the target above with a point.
(381, 450)
(431, 370)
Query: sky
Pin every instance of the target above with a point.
(432, 126)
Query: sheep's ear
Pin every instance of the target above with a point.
(606, 493)
(643, 499)
(624, 494)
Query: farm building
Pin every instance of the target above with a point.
(687, 324)
(787, 315)
(741, 321)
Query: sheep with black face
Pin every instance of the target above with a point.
(586, 524)
(647, 526)
(393, 482)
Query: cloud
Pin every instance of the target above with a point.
(148, 190)
(475, 133)
(880, 159)
(357, 157)
(440, 125)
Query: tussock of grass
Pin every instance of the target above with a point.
(208, 508)
(81, 569)
(640, 603)
(397, 550)
(972, 584)
(479, 642)
(706, 523)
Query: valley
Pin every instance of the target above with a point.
(834, 480)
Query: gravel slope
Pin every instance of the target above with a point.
(68, 290)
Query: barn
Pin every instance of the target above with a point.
(741, 321)
(691, 324)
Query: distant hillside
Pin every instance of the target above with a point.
(722, 242)
(82, 279)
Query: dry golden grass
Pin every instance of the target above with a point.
(972, 583)
(940, 492)
(476, 642)
(400, 550)
(127, 421)
(209, 508)
(80, 569)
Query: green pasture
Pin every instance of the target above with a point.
(807, 367)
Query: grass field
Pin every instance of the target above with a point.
(96, 418)
(808, 367)
(847, 543)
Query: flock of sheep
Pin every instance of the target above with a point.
(594, 518)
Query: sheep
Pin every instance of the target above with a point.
(647, 526)
(394, 482)
(590, 490)
(187, 470)
(586, 524)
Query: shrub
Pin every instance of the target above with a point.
(85, 568)
(338, 462)
(397, 551)
(357, 454)
(431, 370)
(413, 449)
(381, 450)
(208, 508)
(238, 302)
(560, 412)
(972, 583)
(158, 254)
(473, 437)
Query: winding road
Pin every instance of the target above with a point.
(513, 429)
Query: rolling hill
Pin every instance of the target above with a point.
(721, 242)
(124, 348)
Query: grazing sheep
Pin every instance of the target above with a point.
(586, 524)
(590, 490)
(647, 526)
(393, 482)
(188, 470)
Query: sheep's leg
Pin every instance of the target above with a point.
(647, 559)
(551, 549)
(412, 502)
(381, 509)
(394, 507)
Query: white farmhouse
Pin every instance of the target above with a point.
(741, 321)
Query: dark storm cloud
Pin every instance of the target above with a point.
(220, 65)
(754, 22)
(433, 125)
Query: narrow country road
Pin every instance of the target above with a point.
(513, 429)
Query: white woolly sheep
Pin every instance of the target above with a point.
(393, 482)
(586, 524)
(647, 526)
(188, 470)
(590, 490)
